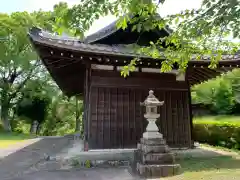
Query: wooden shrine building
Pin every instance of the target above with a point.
(113, 117)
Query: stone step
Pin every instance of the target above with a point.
(157, 171)
(153, 148)
(158, 158)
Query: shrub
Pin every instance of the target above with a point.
(217, 133)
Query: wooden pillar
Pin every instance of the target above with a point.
(86, 106)
(190, 110)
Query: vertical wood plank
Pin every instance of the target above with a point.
(109, 120)
(103, 119)
(134, 117)
(122, 119)
(117, 143)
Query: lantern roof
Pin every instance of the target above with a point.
(151, 100)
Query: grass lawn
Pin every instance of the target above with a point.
(8, 139)
(215, 168)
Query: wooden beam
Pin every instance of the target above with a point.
(213, 73)
(194, 80)
(204, 73)
(199, 74)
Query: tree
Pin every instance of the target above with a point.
(220, 95)
(33, 105)
(35, 110)
(195, 32)
(18, 61)
(223, 98)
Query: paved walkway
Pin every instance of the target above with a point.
(83, 174)
(16, 163)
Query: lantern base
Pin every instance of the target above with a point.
(152, 135)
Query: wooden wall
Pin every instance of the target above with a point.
(115, 117)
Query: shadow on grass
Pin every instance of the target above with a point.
(208, 164)
(14, 136)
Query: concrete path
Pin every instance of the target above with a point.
(83, 174)
(17, 163)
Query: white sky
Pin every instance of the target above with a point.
(170, 7)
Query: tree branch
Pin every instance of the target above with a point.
(21, 85)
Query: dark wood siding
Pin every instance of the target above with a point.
(116, 117)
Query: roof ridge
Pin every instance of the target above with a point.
(111, 28)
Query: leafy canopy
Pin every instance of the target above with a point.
(19, 63)
(195, 32)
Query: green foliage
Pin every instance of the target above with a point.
(19, 125)
(223, 98)
(217, 133)
(88, 164)
(33, 109)
(220, 94)
(36, 97)
(196, 32)
(20, 67)
(26, 89)
(62, 115)
(18, 61)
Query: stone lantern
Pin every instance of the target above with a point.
(153, 158)
(152, 103)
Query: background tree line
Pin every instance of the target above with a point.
(220, 95)
(28, 95)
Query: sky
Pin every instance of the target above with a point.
(170, 7)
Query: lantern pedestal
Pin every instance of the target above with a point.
(150, 135)
(153, 158)
(152, 129)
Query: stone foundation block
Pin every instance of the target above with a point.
(153, 171)
(158, 158)
(157, 141)
(154, 148)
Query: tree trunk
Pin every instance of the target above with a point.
(31, 128)
(77, 128)
(5, 108)
(38, 129)
(5, 118)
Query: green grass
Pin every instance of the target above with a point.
(234, 120)
(221, 148)
(217, 168)
(8, 139)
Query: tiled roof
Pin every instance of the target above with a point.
(71, 43)
(110, 29)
